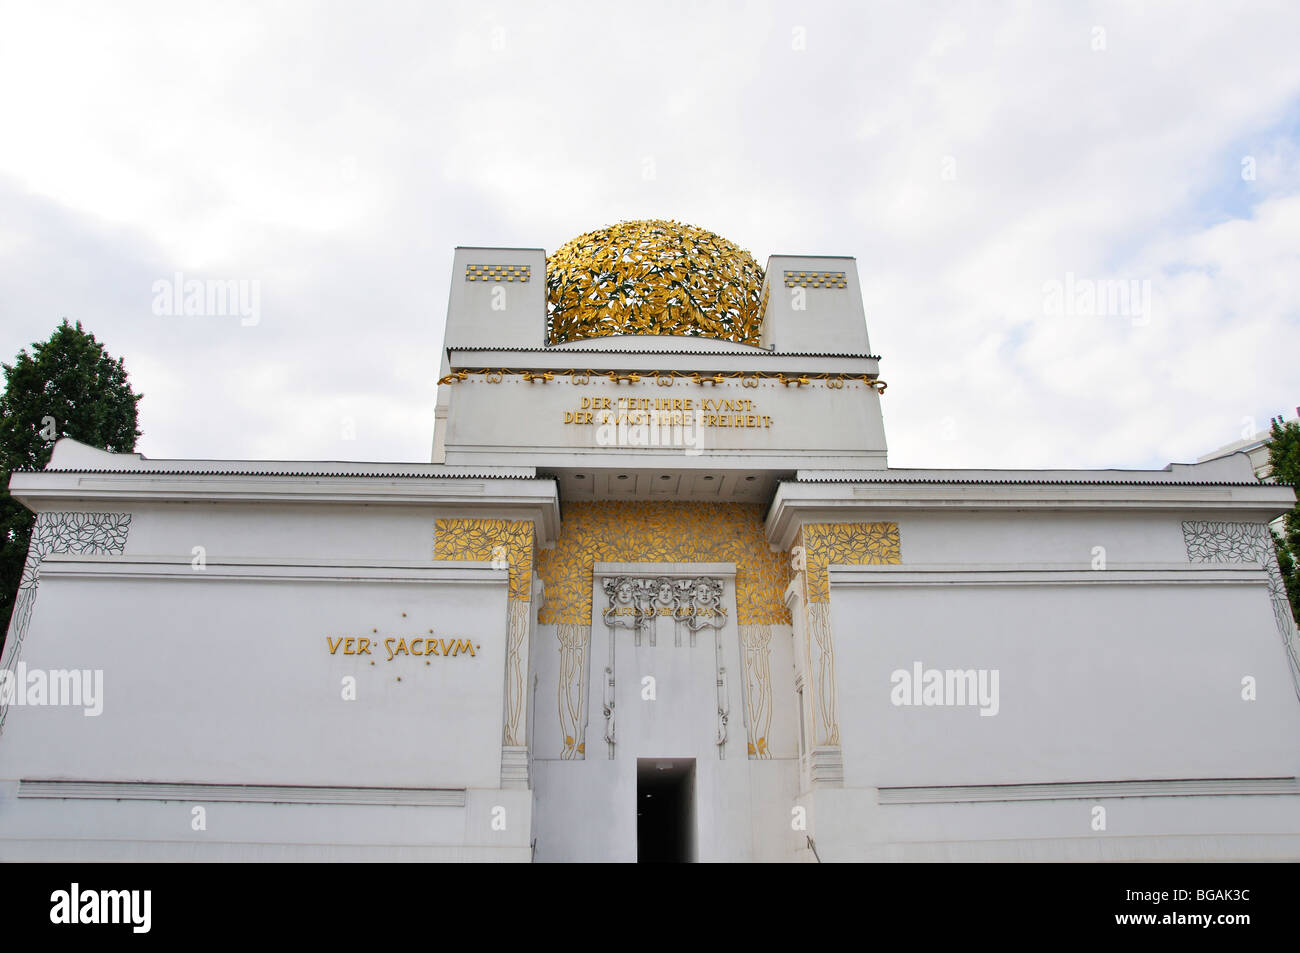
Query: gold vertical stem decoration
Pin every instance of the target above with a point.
(756, 642)
(819, 625)
(516, 634)
(574, 640)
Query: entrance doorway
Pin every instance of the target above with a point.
(665, 810)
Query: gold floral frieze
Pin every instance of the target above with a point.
(663, 378)
(506, 543)
(849, 544)
(663, 532)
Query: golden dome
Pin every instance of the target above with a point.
(653, 277)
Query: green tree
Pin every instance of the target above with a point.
(1284, 458)
(67, 386)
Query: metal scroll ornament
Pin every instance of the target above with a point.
(653, 277)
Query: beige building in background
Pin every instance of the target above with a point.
(1255, 447)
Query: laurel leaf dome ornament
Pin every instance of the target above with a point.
(653, 277)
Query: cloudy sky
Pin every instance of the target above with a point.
(972, 156)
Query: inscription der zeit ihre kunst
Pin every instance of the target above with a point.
(668, 412)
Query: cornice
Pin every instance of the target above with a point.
(516, 497)
(797, 502)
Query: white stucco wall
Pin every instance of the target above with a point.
(1105, 676)
(224, 676)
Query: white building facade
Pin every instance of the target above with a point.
(657, 596)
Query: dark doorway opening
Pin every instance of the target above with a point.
(665, 810)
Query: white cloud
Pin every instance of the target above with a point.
(338, 154)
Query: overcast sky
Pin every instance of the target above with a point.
(968, 155)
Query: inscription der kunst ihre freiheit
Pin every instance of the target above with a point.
(668, 412)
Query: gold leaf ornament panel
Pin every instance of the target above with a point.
(655, 532)
(653, 277)
(848, 544)
(507, 542)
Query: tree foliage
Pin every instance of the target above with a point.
(67, 386)
(1284, 458)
